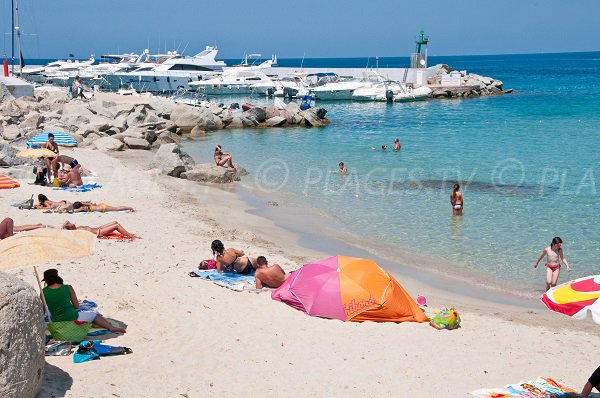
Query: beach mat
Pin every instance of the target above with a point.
(83, 188)
(542, 387)
(118, 237)
(230, 280)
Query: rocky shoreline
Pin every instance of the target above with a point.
(471, 84)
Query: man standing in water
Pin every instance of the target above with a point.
(456, 200)
(553, 252)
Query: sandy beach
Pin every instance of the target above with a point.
(192, 338)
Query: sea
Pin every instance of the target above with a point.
(527, 163)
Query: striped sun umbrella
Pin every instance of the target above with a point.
(60, 138)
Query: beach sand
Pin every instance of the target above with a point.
(192, 338)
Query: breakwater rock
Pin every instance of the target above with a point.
(463, 84)
(110, 122)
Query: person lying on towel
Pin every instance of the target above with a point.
(101, 231)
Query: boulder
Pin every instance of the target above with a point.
(257, 113)
(120, 123)
(166, 138)
(33, 120)
(136, 118)
(275, 121)
(311, 119)
(271, 111)
(439, 93)
(136, 143)
(5, 95)
(248, 120)
(215, 110)
(77, 108)
(162, 107)
(197, 131)
(11, 132)
(123, 109)
(170, 159)
(100, 123)
(207, 172)
(103, 108)
(186, 117)
(292, 108)
(236, 123)
(473, 82)
(8, 156)
(21, 339)
(320, 112)
(108, 144)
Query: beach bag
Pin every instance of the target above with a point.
(90, 350)
(446, 318)
(69, 330)
(25, 205)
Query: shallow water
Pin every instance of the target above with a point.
(526, 161)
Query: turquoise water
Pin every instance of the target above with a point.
(527, 163)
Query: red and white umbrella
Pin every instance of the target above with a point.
(576, 298)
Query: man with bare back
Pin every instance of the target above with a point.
(268, 275)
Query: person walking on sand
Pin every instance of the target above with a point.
(553, 252)
(223, 159)
(342, 168)
(593, 382)
(397, 145)
(51, 162)
(456, 200)
(267, 275)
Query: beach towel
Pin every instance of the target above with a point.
(90, 350)
(83, 188)
(542, 387)
(118, 237)
(7, 182)
(230, 280)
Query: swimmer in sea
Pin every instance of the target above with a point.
(343, 169)
(553, 252)
(456, 200)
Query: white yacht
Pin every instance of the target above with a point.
(170, 73)
(41, 74)
(391, 91)
(343, 89)
(235, 81)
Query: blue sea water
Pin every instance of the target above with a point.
(528, 164)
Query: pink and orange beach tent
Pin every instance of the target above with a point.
(6, 182)
(348, 289)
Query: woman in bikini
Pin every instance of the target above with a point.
(51, 163)
(456, 200)
(90, 207)
(553, 253)
(223, 159)
(232, 259)
(8, 227)
(45, 203)
(101, 231)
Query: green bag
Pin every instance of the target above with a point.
(69, 331)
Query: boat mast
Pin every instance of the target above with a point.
(12, 33)
(18, 31)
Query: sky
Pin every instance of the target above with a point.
(308, 28)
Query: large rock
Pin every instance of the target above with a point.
(311, 119)
(33, 120)
(187, 117)
(170, 159)
(136, 118)
(292, 108)
(275, 121)
(166, 137)
(122, 110)
(206, 172)
(108, 144)
(21, 339)
(136, 143)
(11, 132)
(162, 107)
(236, 123)
(258, 114)
(5, 95)
(8, 156)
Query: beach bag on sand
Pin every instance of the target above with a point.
(446, 318)
(69, 330)
(25, 204)
(90, 350)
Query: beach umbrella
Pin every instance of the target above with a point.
(576, 298)
(349, 289)
(7, 183)
(36, 153)
(42, 245)
(60, 139)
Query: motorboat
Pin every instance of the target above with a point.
(41, 74)
(169, 73)
(234, 81)
(391, 91)
(343, 88)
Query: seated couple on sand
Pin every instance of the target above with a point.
(235, 260)
(78, 207)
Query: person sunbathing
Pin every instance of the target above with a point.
(231, 259)
(268, 275)
(8, 227)
(71, 178)
(101, 231)
(63, 304)
(90, 207)
(45, 203)
(73, 163)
